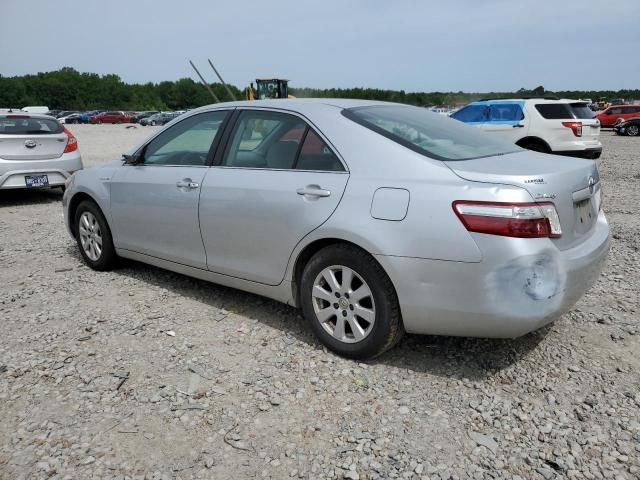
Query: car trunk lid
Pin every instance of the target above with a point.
(32, 147)
(571, 184)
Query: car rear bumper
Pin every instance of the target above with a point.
(528, 284)
(590, 153)
(12, 172)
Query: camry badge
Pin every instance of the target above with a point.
(30, 143)
(538, 181)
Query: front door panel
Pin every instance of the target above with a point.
(155, 211)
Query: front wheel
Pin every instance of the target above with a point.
(633, 130)
(94, 237)
(350, 302)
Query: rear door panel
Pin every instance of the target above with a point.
(252, 219)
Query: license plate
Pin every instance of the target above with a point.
(36, 180)
(585, 212)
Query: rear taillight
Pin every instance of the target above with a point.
(72, 143)
(576, 127)
(522, 220)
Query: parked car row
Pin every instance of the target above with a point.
(100, 116)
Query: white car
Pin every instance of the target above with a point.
(36, 151)
(559, 126)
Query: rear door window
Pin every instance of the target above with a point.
(274, 140)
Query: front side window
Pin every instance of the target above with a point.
(430, 134)
(187, 142)
(263, 139)
(472, 114)
(614, 111)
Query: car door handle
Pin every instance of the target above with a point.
(187, 184)
(517, 125)
(314, 191)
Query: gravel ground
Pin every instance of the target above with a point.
(142, 373)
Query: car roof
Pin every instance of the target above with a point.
(296, 104)
(536, 100)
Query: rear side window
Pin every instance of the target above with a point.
(430, 134)
(24, 125)
(582, 111)
(472, 114)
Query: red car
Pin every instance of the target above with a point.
(110, 117)
(611, 115)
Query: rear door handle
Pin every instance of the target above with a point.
(517, 125)
(314, 191)
(187, 184)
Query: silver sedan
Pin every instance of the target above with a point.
(373, 218)
(35, 151)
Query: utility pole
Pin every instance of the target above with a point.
(233, 97)
(205, 83)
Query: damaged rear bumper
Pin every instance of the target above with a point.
(519, 286)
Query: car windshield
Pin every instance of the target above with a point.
(428, 133)
(25, 125)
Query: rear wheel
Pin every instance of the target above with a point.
(633, 130)
(94, 237)
(350, 302)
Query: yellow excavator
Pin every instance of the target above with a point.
(268, 88)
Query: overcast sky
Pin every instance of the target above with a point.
(447, 45)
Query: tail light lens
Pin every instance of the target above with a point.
(576, 127)
(72, 142)
(521, 220)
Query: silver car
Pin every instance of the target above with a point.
(374, 218)
(36, 151)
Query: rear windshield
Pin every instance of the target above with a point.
(565, 111)
(24, 125)
(430, 134)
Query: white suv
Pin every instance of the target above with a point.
(559, 126)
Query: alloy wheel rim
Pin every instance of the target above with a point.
(343, 304)
(90, 235)
(632, 130)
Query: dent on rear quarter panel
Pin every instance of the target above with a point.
(528, 283)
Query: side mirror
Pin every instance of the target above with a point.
(132, 159)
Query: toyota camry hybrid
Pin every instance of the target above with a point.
(373, 218)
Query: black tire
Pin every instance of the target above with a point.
(107, 259)
(387, 328)
(633, 130)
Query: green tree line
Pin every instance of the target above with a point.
(69, 89)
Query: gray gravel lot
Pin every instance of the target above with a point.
(146, 374)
